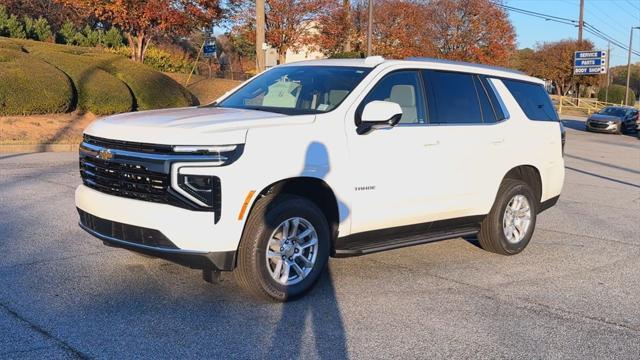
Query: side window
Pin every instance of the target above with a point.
(453, 98)
(488, 113)
(405, 89)
(533, 99)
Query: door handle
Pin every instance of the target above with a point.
(432, 143)
(497, 141)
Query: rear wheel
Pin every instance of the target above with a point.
(509, 226)
(284, 248)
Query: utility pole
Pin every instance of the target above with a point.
(606, 89)
(260, 53)
(626, 90)
(370, 28)
(581, 21)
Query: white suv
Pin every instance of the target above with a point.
(326, 158)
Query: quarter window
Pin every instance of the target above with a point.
(533, 99)
(405, 89)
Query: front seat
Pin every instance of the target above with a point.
(405, 96)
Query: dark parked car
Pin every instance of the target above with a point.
(614, 119)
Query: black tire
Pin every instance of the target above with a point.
(491, 236)
(621, 128)
(251, 272)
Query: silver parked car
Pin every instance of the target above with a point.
(613, 119)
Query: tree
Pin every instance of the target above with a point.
(616, 94)
(619, 76)
(554, 61)
(470, 30)
(467, 30)
(290, 24)
(54, 11)
(142, 22)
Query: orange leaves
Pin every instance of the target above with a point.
(468, 30)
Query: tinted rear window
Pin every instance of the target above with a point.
(533, 99)
(452, 98)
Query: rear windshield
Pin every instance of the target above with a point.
(295, 90)
(533, 99)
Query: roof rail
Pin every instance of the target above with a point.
(453, 62)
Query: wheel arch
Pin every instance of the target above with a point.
(528, 174)
(312, 188)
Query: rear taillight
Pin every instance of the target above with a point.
(563, 136)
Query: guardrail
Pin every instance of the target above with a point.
(588, 106)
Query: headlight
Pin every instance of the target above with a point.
(201, 187)
(224, 154)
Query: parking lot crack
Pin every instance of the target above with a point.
(35, 327)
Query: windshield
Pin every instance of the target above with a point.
(613, 111)
(295, 90)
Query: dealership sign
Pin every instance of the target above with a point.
(592, 62)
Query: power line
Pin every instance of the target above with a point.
(611, 22)
(590, 28)
(633, 6)
(624, 11)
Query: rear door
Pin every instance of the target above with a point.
(472, 135)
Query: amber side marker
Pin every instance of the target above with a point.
(246, 203)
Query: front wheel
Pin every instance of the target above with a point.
(284, 248)
(509, 226)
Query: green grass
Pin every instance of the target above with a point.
(31, 86)
(103, 82)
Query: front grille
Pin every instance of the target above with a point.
(598, 125)
(125, 232)
(133, 181)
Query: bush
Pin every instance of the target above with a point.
(97, 91)
(66, 33)
(167, 61)
(37, 29)
(616, 94)
(151, 89)
(112, 38)
(31, 86)
(15, 29)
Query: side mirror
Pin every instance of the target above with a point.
(377, 115)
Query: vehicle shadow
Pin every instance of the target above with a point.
(575, 124)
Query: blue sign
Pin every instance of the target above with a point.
(589, 62)
(590, 70)
(209, 50)
(590, 54)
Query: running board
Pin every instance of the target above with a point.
(363, 245)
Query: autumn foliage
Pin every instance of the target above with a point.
(468, 30)
(554, 61)
(144, 21)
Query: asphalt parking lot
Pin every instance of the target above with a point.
(574, 293)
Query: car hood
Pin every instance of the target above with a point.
(189, 126)
(601, 117)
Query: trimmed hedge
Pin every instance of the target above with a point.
(31, 86)
(151, 89)
(97, 91)
(103, 82)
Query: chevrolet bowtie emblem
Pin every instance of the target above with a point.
(105, 154)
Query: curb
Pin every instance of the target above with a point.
(34, 148)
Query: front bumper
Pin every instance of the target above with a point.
(602, 127)
(153, 243)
